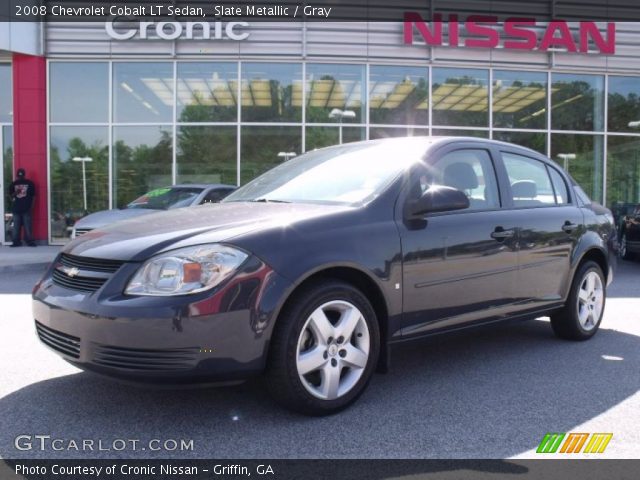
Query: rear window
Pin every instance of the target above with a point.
(530, 182)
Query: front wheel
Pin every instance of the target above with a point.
(324, 349)
(581, 316)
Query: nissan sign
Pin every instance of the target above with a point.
(177, 30)
(513, 34)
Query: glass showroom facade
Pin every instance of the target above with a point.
(153, 123)
(6, 142)
(142, 124)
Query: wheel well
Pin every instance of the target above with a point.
(597, 256)
(369, 288)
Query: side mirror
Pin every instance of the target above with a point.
(438, 198)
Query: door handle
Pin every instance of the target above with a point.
(500, 234)
(569, 227)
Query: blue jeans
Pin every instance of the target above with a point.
(22, 220)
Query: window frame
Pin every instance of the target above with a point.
(551, 169)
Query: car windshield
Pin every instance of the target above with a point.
(166, 198)
(346, 174)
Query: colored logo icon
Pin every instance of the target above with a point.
(574, 443)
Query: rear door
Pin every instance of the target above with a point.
(548, 226)
(459, 266)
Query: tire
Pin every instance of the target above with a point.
(309, 337)
(623, 250)
(580, 318)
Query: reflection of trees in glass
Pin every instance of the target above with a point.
(66, 178)
(8, 175)
(141, 168)
(622, 110)
(207, 154)
(586, 168)
(507, 98)
(7, 167)
(319, 137)
(261, 145)
(534, 141)
(271, 92)
(623, 170)
(460, 133)
(202, 110)
(328, 92)
(577, 104)
(407, 112)
(279, 108)
(463, 101)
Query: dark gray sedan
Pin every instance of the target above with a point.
(167, 198)
(312, 272)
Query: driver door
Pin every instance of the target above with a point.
(458, 266)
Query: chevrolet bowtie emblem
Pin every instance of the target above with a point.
(71, 272)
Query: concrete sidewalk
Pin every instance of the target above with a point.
(26, 258)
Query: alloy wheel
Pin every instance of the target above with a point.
(590, 301)
(333, 350)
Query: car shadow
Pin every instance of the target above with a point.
(625, 280)
(488, 393)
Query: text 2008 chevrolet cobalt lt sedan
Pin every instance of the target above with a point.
(310, 272)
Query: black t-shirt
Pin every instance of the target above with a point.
(22, 191)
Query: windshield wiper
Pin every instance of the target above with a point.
(268, 200)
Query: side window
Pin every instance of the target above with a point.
(214, 196)
(559, 186)
(470, 171)
(530, 182)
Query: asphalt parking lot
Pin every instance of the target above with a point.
(490, 393)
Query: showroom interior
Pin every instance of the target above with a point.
(139, 114)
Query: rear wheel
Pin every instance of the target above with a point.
(581, 316)
(324, 349)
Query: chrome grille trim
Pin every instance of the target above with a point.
(82, 284)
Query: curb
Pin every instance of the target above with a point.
(26, 268)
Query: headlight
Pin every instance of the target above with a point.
(186, 270)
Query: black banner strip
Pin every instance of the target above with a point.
(319, 469)
(316, 11)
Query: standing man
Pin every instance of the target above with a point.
(22, 193)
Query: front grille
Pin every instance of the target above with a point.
(91, 264)
(82, 231)
(82, 284)
(146, 360)
(60, 342)
(83, 274)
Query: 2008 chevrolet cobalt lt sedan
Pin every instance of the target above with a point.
(308, 274)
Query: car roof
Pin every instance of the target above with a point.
(435, 141)
(201, 185)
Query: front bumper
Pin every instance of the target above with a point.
(216, 337)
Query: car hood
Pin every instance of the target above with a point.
(139, 238)
(107, 217)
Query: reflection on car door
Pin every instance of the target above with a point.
(458, 266)
(548, 230)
